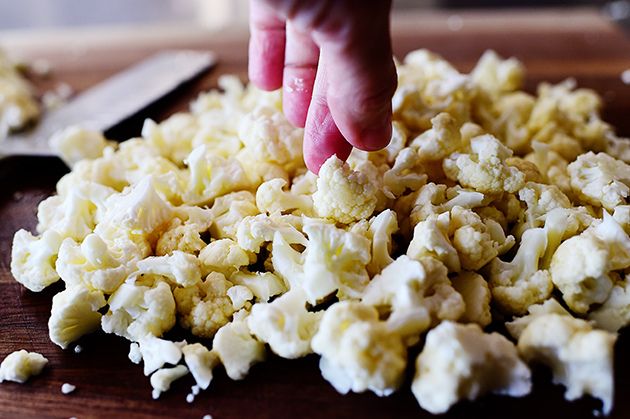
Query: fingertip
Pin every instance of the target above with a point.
(266, 58)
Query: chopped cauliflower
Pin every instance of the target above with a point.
(254, 231)
(18, 105)
(33, 259)
(224, 256)
(580, 357)
(20, 365)
(380, 231)
(162, 379)
(74, 313)
(343, 195)
(285, 324)
(462, 362)
(205, 307)
(156, 352)
(136, 311)
(484, 168)
(180, 268)
(405, 174)
(550, 306)
(236, 348)
(271, 198)
(359, 352)
(614, 313)
(263, 285)
(476, 294)
(601, 180)
(228, 211)
(443, 139)
(76, 143)
(200, 362)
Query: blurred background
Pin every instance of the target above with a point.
(217, 14)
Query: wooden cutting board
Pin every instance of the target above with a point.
(553, 45)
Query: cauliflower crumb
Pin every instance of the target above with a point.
(67, 388)
(20, 365)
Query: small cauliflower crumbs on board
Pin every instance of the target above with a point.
(487, 196)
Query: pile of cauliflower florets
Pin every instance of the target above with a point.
(489, 205)
(18, 105)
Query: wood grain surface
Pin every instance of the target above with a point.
(553, 45)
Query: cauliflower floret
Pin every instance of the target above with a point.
(136, 311)
(380, 231)
(200, 362)
(76, 214)
(254, 231)
(358, 352)
(476, 294)
(156, 352)
(462, 362)
(90, 264)
(580, 358)
(285, 324)
(173, 136)
(334, 260)
(162, 379)
(228, 211)
(205, 307)
(441, 140)
(33, 259)
(241, 297)
(181, 235)
(484, 169)
(342, 194)
(404, 175)
(520, 283)
(74, 313)
(600, 180)
(263, 285)
(180, 268)
(212, 176)
(550, 306)
(236, 348)
(20, 365)
(581, 265)
(415, 294)
(614, 313)
(224, 256)
(76, 143)
(430, 239)
(496, 75)
(271, 198)
(269, 137)
(540, 199)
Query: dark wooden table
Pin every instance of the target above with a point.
(553, 45)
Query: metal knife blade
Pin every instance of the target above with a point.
(113, 100)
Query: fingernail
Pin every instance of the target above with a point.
(376, 137)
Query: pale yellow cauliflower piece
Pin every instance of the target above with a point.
(255, 231)
(476, 294)
(263, 285)
(405, 174)
(580, 357)
(461, 362)
(75, 143)
(162, 379)
(496, 75)
(342, 194)
(182, 269)
(484, 168)
(380, 231)
(443, 139)
(21, 365)
(224, 256)
(156, 352)
(200, 362)
(33, 259)
(358, 351)
(228, 211)
(614, 313)
(271, 198)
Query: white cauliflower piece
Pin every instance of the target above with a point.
(134, 353)
(285, 324)
(228, 211)
(271, 198)
(236, 348)
(440, 141)
(430, 239)
(380, 231)
(33, 259)
(74, 313)
(476, 294)
(75, 143)
(156, 352)
(162, 379)
(435, 199)
(358, 352)
(90, 264)
(580, 358)
(342, 194)
(184, 234)
(180, 268)
(415, 294)
(263, 285)
(205, 307)
(212, 176)
(462, 362)
(136, 311)
(550, 306)
(405, 174)
(200, 362)
(614, 313)
(21, 365)
(224, 256)
(520, 283)
(540, 199)
(334, 260)
(241, 296)
(484, 169)
(496, 75)
(581, 265)
(600, 180)
(254, 231)
(173, 136)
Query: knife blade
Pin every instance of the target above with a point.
(114, 100)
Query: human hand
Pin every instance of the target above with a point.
(333, 60)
